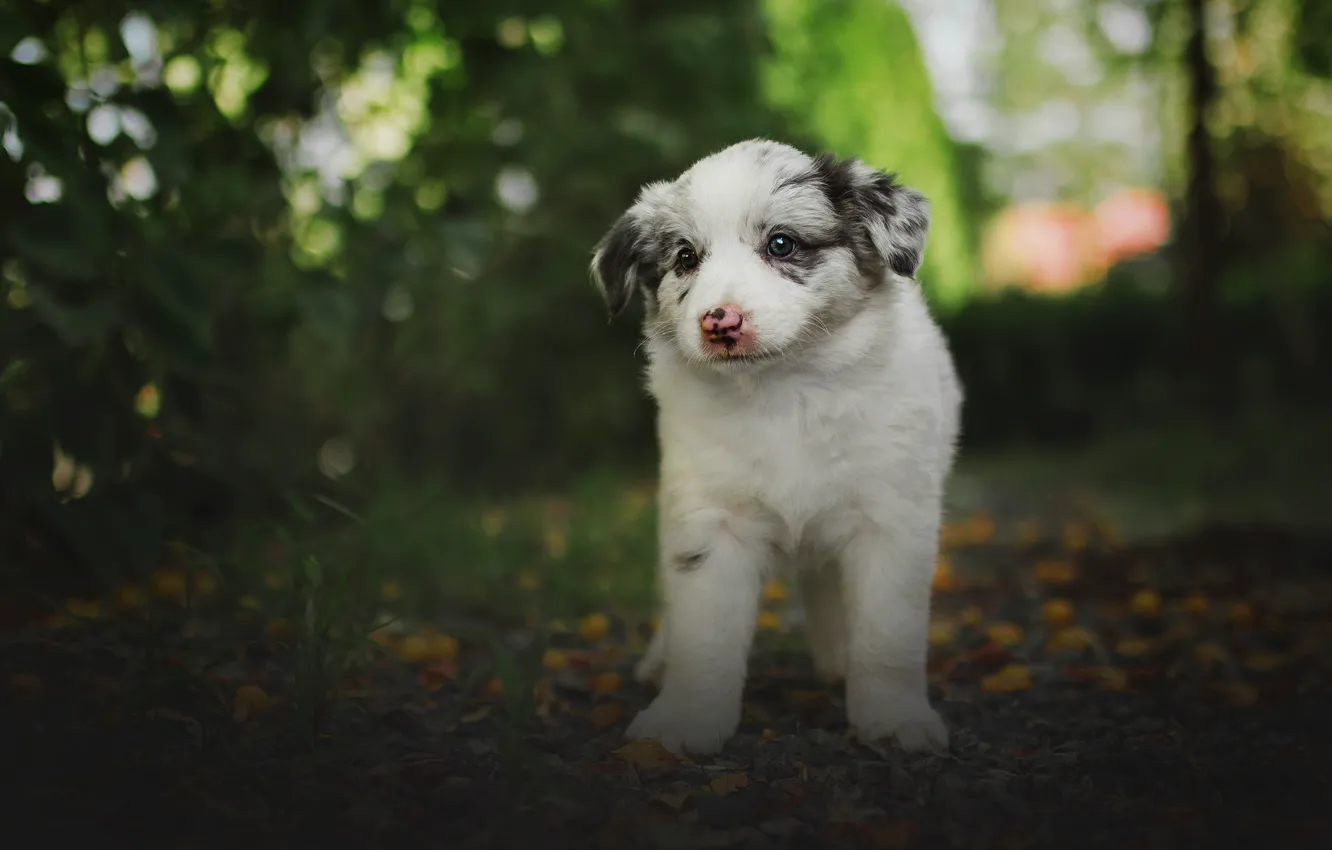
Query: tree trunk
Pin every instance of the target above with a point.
(1202, 216)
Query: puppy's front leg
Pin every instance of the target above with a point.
(887, 571)
(711, 605)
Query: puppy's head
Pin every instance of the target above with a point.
(760, 251)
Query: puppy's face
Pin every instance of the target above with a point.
(759, 252)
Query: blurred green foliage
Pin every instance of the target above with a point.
(345, 243)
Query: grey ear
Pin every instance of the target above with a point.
(887, 223)
(619, 265)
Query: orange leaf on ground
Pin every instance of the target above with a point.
(594, 627)
(251, 700)
(1057, 612)
(606, 714)
(1056, 572)
(441, 647)
(1240, 613)
(169, 584)
(1014, 677)
(1196, 603)
(435, 673)
(493, 688)
(1069, 640)
(1146, 603)
(769, 621)
(606, 683)
(944, 580)
(553, 659)
(774, 591)
(1005, 634)
(728, 783)
(413, 648)
(646, 752)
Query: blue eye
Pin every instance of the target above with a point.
(781, 245)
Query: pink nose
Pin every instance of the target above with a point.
(726, 331)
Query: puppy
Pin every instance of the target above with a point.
(808, 416)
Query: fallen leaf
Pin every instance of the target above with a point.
(1146, 603)
(944, 579)
(130, 598)
(435, 673)
(250, 701)
(1005, 634)
(169, 584)
(440, 647)
(412, 648)
(1196, 603)
(646, 753)
(554, 659)
(1240, 613)
(476, 715)
(774, 591)
(1263, 662)
(942, 632)
(1014, 677)
(971, 616)
(606, 714)
(1113, 679)
(769, 621)
(1069, 640)
(1057, 612)
(606, 683)
(594, 627)
(1135, 647)
(728, 783)
(1055, 572)
(493, 688)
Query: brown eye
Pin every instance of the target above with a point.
(687, 259)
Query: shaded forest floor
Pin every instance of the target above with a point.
(1164, 694)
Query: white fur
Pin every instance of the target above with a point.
(829, 457)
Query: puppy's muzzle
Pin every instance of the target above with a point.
(726, 331)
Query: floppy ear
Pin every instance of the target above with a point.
(888, 222)
(619, 264)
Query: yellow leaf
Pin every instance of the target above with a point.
(1057, 612)
(413, 648)
(169, 584)
(728, 783)
(1210, 654)
(1135, 647)
(1113, 679)
(440, 647)
(944, 581)
(769, 621)
(84, 609)
(1146, 602)
(554, 659)
(1076, 536)
(129, 598)
(606, 683)
(280, 629)
(493, 688)
(774, 591)
(1014, 677)
(250, 700)
(942, 632)
(1005, 634)
(148, 401)
(1263, 662)
(1240, 613)
(645, 753)
(1056, 572)
(1069, 640)
(971, 616)
(594, 627)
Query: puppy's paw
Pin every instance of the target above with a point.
(909, 721)
(698, 729)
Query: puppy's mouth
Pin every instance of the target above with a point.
(730, 358)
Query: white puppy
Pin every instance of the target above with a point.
(808, 414)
